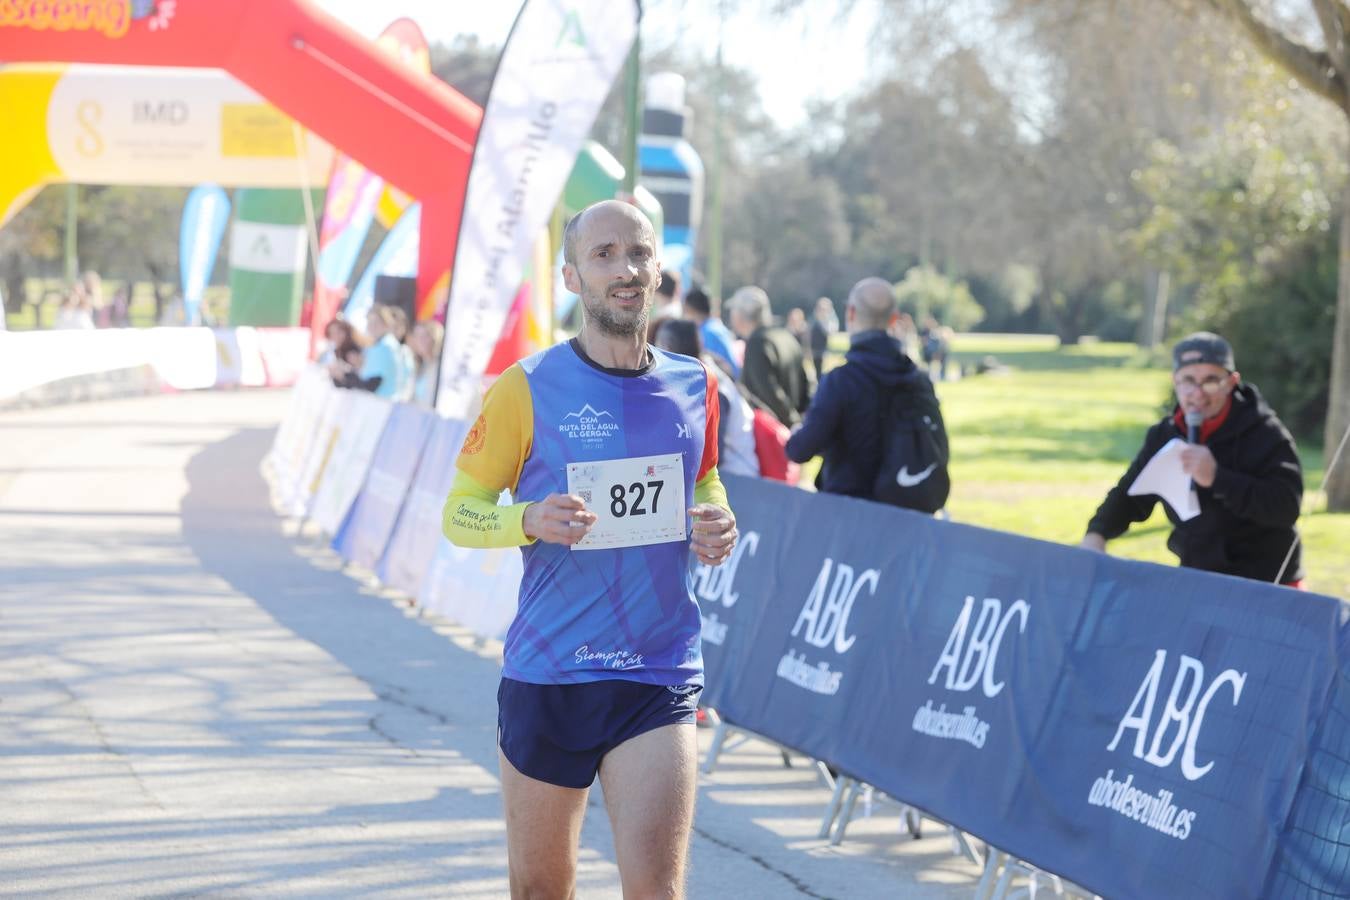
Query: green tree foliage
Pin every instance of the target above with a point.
(30, 245)
(1282, 324)
(786, 233)
(1245, 221)
(466, 64)
(926, 292)
(122, 233)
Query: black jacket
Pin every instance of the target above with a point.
(774, 371)
(850, 403)
(1246, 521)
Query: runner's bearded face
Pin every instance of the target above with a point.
(616, 272)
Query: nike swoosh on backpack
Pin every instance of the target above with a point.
(904, 479)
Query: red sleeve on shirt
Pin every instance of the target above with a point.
(711, 415)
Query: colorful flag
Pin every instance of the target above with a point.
(397, 255)
(354, 192)
(555, 70)
(204, 217)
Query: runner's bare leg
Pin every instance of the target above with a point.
(543, 828)
(650, 783)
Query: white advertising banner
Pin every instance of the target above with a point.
(184, 358)
(32, 358)
(181, 358)
(296, 431)
(160, 125)
(555, 70)
(295, 498)
(350, 460)
(477, 589)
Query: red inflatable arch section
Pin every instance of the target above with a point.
(414, 131)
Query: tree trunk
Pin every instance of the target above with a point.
(1338, 406)
(1158, 324)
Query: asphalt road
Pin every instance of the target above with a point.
(196, 701)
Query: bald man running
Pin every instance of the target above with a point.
(610, 448)
(841, 423)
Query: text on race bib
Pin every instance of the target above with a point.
(637, 501)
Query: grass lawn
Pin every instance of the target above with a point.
(1035, 450)
(44, 299)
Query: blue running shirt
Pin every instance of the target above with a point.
(592, 615)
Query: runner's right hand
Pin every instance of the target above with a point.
(558, 519)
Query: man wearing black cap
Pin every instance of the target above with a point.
(1243, 464)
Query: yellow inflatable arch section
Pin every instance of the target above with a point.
(138, 125)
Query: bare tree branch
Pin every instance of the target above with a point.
(1343, 14)
(1333, 31)
(1314, 70)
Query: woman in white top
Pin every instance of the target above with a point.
(75, 312)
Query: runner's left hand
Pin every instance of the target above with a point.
(714, 533)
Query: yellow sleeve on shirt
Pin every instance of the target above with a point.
(709, 489)
(472, 518)
(489, 462)
(500, 440)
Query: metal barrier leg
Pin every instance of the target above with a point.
(718, 739)
(1004, 880)
(911, 821)
(832, 811)
(961, 846)
(992, 863)
(846, 815)
(824, 772)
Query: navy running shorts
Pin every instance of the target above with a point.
(559, 733)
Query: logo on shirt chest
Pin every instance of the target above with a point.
(590, 426)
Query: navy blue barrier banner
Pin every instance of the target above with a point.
(370, 521)
(412, 546)
(1312, 860)
(1142, 730)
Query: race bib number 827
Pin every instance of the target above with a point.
(636, 501)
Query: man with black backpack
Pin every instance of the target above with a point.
(875, 419)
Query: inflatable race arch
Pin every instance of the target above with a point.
(412, 130)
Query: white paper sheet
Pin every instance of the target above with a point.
(1162, 476)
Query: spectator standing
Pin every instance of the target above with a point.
(119, 310)
(842, 423)
(824, 323)
(907, 333)
(92, 286)
(74, 312)
(667, 302)
(717, 338)
(774, 371)
(425, 343)
(337, 334)
(736, 418)
(385, 369)
(934, 345)
(1245, 470)
(797, 327)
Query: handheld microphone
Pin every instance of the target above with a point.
(1194, 419)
